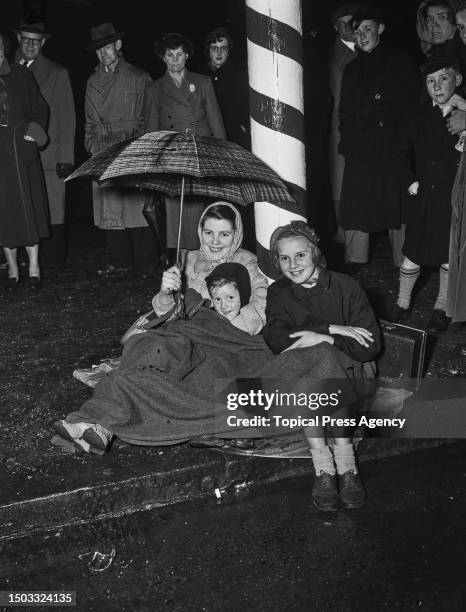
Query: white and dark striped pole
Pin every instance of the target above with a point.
(275, 64)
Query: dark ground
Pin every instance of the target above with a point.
(403, 551)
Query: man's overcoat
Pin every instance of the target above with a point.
(114, 112)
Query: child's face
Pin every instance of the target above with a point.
(368, 34)
(295, 259)
(227, 301)
(441, 84)
(217, 237)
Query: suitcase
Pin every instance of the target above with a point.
(403, 352)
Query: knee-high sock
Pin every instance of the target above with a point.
(344, 458)
(323, 460)
(441, 303)
(408, 278)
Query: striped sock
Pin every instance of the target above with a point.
(408, 278)
(441, 303)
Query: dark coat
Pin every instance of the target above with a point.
(24, 216)
(192, 106)
(379, 89)
(55, 86)
(231, 88)
(337, 299)
(340, 56)
(425, 139)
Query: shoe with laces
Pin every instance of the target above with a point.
(98, 437)
(397, 313)
(324, 492)
(70, 431)
(352, 491)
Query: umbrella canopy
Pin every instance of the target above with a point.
(211, 167)
(236, 191)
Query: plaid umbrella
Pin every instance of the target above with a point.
(184, 164)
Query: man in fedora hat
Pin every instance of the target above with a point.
(114, 112)
(58, 155)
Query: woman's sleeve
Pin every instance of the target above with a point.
(359, 314)
(38, 107)
(151, 108)
(214, 116)
(251, 318)
(279, 324)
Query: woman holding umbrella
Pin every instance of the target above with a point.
(220, 233)
(181, 101)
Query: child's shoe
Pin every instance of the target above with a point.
(439, 322)
(324, 492)
(98, 437)
(352, 492)
(70, 431)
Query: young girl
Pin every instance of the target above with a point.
(220, 233)
(229, 288)
(307, 307)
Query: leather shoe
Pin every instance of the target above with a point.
(34, 283)
(352, 492)
(397, 313)
(438, 322)
(12, 283)
(462, 350)
(324, 492)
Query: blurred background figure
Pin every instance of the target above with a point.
(341, 53)
(58, 155)
(231, 86)
(24, 217)
(114, 112)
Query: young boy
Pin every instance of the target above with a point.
(229, 288)
(425, 140)
(307, 307)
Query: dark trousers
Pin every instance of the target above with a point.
(52, 250)
(134, 246)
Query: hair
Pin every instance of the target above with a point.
(215, 36)
(317, 258)
(220, 211)
(443, 3)
(173, 41)
(366, 13)
(215, 282)
(459, 7)
(6, 43)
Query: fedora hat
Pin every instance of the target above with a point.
(32, 28)
(102, 35)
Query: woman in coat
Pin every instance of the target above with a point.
(180, 101)
(23, 199)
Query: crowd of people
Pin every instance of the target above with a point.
(396, 138)
(121, 102)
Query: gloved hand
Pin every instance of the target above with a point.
(64, 170)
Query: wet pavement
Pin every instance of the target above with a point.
(403, 551)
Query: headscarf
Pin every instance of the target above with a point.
(233, 272)
(237, 236)
(421, 24)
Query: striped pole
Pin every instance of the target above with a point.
(275, 64)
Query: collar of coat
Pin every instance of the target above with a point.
(301, 292)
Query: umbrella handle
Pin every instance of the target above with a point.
(180, 220)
